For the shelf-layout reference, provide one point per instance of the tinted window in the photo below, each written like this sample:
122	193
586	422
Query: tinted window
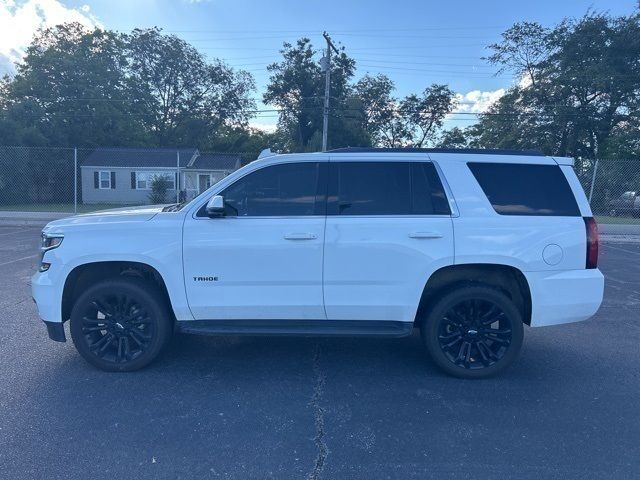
280	190
385	188
519	189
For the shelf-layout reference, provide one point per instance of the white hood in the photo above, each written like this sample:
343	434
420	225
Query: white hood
125	214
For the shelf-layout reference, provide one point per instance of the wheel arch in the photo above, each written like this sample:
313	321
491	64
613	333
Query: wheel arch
88	273
505	278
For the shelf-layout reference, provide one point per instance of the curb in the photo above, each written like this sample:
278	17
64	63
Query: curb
30	219
619	229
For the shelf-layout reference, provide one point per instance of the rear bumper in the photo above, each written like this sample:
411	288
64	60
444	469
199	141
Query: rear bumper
564	297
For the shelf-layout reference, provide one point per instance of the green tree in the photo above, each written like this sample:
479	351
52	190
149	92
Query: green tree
425	114
380	110
581	92
412	121
185	97
71	89
455	137
100	88
296	88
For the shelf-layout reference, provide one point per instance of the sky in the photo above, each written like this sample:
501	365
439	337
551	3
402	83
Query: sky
414	42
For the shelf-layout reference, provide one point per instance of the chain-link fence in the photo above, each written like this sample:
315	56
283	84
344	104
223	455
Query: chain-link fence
612	187
80	180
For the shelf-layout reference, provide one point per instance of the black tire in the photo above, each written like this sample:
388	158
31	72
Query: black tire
121	324
460	323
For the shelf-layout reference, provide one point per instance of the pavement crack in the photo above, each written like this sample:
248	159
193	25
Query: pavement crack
318	413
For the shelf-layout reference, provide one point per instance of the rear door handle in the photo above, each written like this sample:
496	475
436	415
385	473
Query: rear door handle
425	235
300	236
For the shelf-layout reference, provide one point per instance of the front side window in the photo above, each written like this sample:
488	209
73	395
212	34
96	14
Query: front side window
386	188
290	189
524	189
105	180
145	179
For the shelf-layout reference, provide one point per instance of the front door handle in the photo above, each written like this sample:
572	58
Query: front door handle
300	236
425	235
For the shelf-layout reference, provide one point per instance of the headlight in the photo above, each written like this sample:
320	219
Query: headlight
48	242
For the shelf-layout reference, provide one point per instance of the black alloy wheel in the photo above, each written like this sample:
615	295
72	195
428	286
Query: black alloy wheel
473	332
120	324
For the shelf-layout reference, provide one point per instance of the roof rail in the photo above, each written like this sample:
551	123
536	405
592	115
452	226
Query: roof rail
475	151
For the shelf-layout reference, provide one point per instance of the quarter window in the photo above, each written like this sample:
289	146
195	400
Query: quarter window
290	189
386	188
524	189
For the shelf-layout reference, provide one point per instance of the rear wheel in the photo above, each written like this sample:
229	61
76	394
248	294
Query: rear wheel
473	332
120	324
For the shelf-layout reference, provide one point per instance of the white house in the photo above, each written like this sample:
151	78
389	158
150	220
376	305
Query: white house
124	175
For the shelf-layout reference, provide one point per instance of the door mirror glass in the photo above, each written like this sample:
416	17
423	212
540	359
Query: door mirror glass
215	206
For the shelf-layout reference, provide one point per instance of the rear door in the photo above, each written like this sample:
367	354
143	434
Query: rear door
388	229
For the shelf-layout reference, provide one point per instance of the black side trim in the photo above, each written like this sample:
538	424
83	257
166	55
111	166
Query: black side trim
56	331
305	328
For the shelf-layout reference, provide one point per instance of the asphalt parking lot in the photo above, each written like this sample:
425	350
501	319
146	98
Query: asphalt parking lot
331	408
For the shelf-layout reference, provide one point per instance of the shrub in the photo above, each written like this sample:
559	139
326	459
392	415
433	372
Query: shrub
159	187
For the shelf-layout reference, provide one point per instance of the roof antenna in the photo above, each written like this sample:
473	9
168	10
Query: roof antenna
266	153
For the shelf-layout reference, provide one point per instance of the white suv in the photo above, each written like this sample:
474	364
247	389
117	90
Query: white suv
466	245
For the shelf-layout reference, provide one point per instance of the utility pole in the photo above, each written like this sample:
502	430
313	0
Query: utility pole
177	176
326	65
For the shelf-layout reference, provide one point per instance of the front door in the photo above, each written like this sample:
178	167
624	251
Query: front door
263	259
204	182
388	229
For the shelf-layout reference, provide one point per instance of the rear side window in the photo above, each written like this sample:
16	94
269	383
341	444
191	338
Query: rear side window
521	189
385	188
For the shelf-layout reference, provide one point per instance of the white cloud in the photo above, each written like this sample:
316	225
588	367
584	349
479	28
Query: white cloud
19	21
477	101
265	127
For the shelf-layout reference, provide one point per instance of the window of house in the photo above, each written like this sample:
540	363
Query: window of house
143	180
105	179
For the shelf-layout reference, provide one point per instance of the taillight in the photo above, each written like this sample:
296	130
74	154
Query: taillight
592	242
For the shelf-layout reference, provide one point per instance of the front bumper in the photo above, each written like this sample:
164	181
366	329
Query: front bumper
47	295
564	297
56	331
48	299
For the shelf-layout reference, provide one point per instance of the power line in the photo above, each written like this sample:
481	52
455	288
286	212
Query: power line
354	30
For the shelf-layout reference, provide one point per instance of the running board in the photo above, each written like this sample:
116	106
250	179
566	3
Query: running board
304	328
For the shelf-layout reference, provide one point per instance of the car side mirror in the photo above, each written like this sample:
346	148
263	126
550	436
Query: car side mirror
215	206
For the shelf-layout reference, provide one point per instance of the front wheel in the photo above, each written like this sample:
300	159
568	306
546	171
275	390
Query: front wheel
473	332
120	324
